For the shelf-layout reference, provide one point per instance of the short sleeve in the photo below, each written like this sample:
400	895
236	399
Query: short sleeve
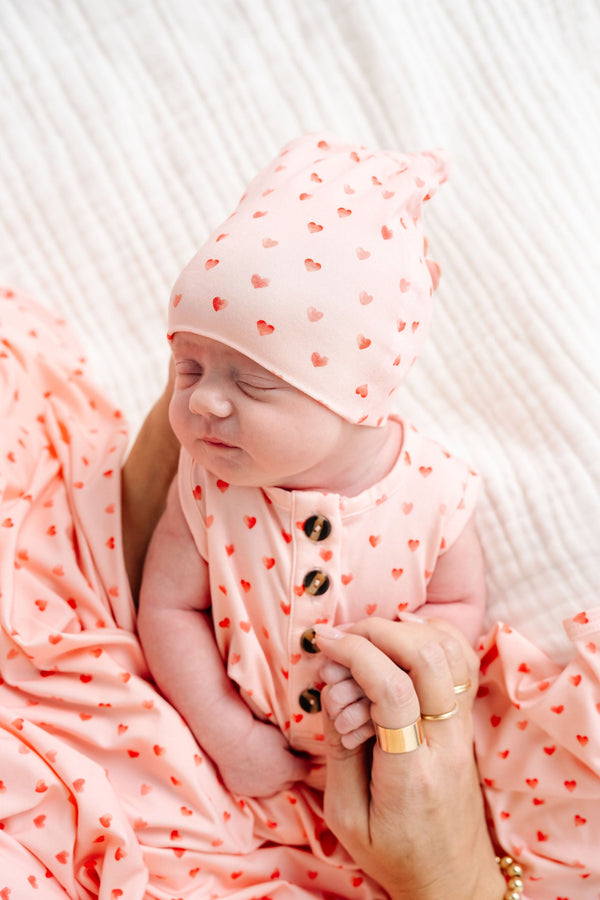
191	480
463	490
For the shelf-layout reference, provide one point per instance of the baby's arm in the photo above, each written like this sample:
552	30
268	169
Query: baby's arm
457	590
177	636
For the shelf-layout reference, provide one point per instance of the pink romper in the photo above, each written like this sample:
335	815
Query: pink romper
281	561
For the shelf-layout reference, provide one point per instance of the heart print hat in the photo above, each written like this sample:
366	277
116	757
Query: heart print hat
319	275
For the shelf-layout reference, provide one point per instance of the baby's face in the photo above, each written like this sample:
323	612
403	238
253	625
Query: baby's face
247	426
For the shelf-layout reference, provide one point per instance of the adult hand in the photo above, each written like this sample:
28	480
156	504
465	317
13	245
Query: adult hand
414	820
145	477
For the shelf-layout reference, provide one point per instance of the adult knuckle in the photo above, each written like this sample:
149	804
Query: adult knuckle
397	691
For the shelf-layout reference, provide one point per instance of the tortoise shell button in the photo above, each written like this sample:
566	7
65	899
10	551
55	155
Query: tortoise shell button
308	641
317	528
315	582
310	700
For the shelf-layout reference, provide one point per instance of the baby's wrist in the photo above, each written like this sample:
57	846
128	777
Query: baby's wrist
228	733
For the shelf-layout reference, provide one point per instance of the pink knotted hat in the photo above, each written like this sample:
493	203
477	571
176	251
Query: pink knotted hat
319	275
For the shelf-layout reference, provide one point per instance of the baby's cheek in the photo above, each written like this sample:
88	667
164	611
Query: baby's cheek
177	415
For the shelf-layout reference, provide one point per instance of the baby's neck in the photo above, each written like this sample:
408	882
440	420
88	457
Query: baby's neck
369	457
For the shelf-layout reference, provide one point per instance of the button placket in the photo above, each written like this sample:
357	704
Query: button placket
315	532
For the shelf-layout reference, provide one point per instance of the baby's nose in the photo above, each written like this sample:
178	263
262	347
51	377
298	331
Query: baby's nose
209	399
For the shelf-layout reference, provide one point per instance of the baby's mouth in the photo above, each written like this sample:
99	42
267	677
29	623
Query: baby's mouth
219	442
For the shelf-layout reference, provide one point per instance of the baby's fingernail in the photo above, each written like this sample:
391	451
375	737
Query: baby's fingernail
326	631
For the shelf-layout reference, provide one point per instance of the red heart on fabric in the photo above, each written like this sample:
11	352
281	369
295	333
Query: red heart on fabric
264	327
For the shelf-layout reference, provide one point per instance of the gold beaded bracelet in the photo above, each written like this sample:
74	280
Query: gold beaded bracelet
512	872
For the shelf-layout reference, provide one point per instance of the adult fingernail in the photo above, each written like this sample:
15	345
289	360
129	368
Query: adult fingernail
411	617
326	631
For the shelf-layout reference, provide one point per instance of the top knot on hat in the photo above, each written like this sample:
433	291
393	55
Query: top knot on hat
319	275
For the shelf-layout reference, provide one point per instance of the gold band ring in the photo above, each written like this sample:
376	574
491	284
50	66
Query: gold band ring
462	688
440	716
399	740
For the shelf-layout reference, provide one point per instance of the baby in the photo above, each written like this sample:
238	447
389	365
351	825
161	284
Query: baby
301	498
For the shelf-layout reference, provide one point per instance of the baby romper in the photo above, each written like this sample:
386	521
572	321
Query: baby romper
281	561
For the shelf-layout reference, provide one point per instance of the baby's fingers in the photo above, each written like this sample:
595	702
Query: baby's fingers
350	711
357	737
332	672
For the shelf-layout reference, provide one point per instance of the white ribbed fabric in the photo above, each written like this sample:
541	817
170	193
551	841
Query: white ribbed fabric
129	129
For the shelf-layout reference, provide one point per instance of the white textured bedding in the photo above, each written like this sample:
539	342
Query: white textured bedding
129	127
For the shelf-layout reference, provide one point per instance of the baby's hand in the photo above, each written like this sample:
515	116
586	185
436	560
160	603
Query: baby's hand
264	764
346	705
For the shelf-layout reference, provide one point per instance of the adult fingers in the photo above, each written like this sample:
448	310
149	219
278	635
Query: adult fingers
437	660
402	642
440	661
394	702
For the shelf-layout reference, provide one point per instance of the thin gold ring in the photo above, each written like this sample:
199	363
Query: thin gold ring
462	688
399	740
440	716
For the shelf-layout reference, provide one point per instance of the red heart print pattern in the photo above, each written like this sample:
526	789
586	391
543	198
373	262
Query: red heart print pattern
311	265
